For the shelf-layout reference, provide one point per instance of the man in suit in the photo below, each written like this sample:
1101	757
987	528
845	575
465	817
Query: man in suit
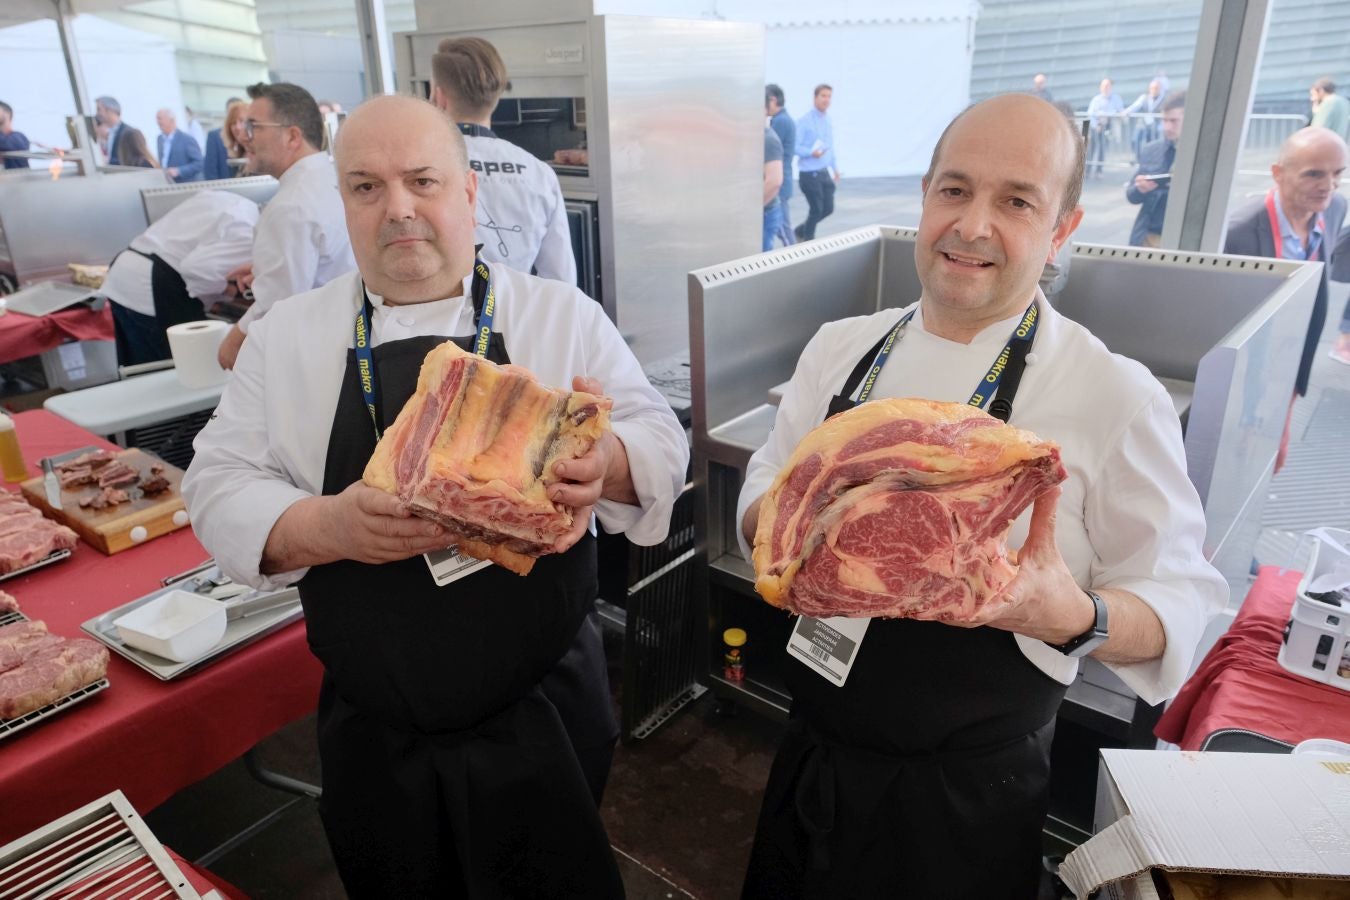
110	116
1299	218
1155	159
179	152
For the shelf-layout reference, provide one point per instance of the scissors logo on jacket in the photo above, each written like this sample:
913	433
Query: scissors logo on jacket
491	224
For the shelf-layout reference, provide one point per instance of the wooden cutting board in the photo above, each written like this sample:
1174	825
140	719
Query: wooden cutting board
125	525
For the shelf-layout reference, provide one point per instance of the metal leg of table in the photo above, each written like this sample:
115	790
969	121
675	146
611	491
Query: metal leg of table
276	780
263	775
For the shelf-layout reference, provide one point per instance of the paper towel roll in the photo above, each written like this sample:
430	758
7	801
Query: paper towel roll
194	346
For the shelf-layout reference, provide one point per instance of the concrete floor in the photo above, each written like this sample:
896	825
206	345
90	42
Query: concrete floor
681	805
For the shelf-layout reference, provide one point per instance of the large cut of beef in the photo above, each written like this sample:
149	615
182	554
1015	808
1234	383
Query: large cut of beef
25	536
474	449
38	668
899	508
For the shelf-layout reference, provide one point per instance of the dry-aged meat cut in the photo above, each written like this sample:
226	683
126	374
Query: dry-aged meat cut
25	536
37	668
899	508
474	449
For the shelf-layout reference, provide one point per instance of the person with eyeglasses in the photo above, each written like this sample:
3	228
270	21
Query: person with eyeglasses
301	241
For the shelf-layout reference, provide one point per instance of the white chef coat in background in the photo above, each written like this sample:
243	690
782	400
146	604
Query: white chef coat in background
203	239
1128	518
522	219
265	449
301	240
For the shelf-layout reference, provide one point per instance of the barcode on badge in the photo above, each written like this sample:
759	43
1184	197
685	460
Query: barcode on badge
819	652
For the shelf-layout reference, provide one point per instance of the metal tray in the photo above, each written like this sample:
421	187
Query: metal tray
13	726
54	557
239	633
47	297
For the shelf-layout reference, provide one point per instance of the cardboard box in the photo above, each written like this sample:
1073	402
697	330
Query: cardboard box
1224	813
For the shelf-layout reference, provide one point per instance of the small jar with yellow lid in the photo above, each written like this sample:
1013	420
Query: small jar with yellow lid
733	659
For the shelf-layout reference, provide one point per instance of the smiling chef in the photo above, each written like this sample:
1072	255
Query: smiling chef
465	730
925	774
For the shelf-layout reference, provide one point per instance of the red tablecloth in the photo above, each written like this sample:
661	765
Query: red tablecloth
149	738
203	881
1240	684
22	335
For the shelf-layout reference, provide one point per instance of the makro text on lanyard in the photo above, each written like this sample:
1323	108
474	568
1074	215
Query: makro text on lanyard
1024	333
365	362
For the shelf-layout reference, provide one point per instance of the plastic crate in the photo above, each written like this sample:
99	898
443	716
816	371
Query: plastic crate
1317	640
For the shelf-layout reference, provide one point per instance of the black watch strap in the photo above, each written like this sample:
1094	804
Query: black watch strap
1091	639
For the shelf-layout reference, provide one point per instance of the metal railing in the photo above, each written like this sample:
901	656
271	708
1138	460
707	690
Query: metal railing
1126	133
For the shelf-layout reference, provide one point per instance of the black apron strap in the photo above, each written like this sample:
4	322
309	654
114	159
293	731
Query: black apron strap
843	401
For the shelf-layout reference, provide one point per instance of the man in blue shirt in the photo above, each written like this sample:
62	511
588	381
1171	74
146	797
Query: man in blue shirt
1103	108
786	129
1156	158
817	164
11	139
179	152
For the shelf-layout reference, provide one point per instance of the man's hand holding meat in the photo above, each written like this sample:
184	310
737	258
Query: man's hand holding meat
361	524
1045	602
602	472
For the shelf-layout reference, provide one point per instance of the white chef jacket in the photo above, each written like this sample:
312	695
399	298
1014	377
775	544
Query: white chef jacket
301	242
522	221
265	449
1128	518
204	238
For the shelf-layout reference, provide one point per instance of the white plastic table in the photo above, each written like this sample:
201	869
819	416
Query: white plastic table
133	403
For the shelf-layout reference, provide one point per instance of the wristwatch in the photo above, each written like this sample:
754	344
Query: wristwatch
1091	639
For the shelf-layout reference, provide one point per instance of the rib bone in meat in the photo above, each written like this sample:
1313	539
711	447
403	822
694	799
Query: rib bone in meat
899	508
474	449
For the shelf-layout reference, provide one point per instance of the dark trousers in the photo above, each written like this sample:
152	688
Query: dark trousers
139	338
1096	154
818	189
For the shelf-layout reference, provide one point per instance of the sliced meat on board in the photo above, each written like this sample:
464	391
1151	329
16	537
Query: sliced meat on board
474	449
899	508
26	536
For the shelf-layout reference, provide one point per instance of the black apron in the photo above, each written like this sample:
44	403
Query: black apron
925	775
142	338
447	770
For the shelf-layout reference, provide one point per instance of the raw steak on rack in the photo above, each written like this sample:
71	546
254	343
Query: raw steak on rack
899	508
38	668
25	536
474	449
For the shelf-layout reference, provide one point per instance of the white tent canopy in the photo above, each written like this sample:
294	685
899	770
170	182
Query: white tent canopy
137	68
15	12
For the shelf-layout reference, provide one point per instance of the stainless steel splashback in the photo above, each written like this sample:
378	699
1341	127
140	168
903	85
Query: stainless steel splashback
674	124
159	200
47	224
1224	334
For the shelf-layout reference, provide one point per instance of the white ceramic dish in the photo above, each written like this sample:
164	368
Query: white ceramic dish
180	626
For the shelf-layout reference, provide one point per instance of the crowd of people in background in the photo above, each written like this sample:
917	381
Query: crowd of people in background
809	142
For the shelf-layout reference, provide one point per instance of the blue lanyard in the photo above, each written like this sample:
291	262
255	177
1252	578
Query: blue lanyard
365	361
1024	333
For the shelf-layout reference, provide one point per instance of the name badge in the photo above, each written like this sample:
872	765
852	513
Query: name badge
450	565
829	646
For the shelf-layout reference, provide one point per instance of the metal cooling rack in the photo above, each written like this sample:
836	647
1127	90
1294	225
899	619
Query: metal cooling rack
12	726
102	850
53	557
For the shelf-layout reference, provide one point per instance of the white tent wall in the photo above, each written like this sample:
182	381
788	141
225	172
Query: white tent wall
900	69
136	68
329	66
